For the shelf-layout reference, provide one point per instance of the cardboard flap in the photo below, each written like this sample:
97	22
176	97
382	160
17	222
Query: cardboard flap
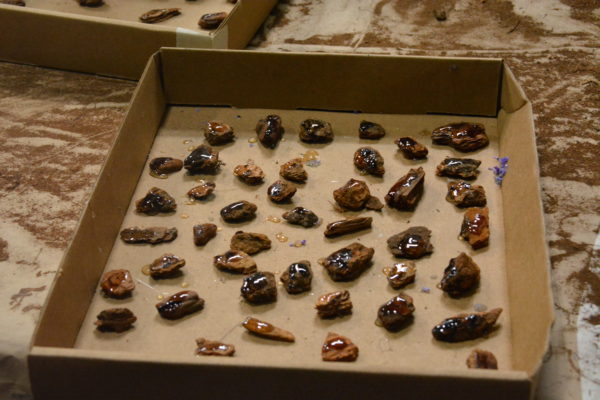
333	82
527	259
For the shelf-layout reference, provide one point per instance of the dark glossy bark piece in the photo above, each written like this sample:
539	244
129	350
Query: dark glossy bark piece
462	168
180	304
202	191
412	243
464	327
207	347
297	278
212	20
461	276
294	171
203	233
159	15
239	211
405	194
301	216
401	274
115	320
91	3
482	359
411	149
396	313
202	160
152	235
353	195
235	261
369	161
166	266
463	194
347	226
349	262
165	165
250	242
462	136
249	173
315	131
270	131
156	201
218	133
259	288
370	130
117	283
338	348
267	330
475	228
334	304
281	191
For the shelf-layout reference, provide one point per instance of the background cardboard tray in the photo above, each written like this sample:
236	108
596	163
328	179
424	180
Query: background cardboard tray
164	114
110	40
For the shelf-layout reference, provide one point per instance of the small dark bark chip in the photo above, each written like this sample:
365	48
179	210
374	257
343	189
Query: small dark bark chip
482	359
117	283
301	216
370	130
180	304
463	168
401	274
249	173
338	348
165	165
463	194
354	195
152	235
281	191
270	131
202	160
249	242
156	201
396	314
260	288
239	211
267	330
212	21
369	161
202	191
334	304
159	15
115	320
235	261
166	266
475	228
464	327
207	347
218	133
203	233
461	276
315	131
347	226
349	262
462	136
294	171
405	194
412	243
411	149
297	278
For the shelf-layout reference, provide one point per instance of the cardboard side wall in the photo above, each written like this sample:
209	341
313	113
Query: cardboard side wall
75	285
245	20
53	40
332	82
527	260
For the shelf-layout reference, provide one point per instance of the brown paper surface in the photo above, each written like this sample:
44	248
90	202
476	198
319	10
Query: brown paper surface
412	347
131	10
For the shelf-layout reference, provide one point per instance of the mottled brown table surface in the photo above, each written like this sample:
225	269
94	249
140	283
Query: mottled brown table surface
56	128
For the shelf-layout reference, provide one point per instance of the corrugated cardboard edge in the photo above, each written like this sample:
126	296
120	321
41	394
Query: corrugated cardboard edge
46	362
95	233
528	235
111	47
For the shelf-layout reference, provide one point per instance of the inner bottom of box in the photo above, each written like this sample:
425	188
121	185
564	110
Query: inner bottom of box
224	311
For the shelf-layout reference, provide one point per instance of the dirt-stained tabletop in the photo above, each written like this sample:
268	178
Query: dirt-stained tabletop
56	128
